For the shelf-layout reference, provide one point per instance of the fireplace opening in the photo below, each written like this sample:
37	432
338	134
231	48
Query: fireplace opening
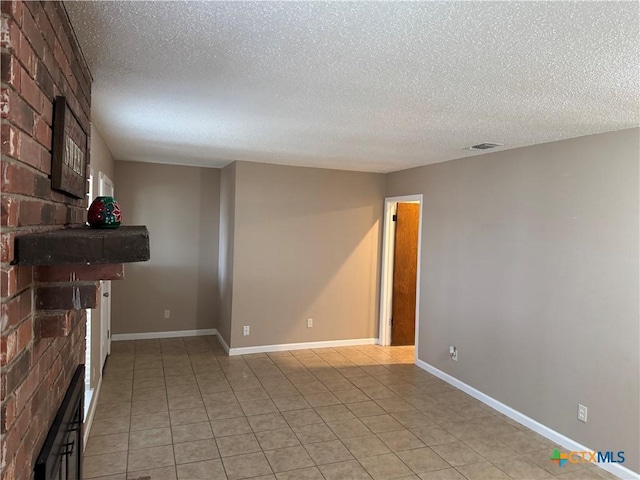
61	454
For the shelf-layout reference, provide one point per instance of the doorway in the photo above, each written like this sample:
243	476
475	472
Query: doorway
105	187
88	376
400	282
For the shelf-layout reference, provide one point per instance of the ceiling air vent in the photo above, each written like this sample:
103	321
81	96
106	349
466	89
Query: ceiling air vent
484	146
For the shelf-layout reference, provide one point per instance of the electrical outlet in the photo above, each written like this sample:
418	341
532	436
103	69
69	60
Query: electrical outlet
309	322
582	413
246	330
167	314
453	351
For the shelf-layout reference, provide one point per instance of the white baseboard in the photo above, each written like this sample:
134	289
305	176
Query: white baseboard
556	437
222	342
300	346
151	335
88	423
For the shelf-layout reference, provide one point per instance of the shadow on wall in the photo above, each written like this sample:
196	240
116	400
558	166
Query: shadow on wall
140	300
180	206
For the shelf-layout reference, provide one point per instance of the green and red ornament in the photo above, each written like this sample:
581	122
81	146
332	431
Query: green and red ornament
104	212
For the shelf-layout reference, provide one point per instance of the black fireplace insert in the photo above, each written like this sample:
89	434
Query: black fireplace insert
61	454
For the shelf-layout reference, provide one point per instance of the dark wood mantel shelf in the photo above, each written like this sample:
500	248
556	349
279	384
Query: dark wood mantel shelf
84	245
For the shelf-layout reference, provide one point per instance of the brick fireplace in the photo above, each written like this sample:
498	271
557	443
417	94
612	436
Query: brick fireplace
40	348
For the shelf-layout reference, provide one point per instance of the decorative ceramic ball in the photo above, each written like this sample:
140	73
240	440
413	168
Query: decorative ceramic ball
104	212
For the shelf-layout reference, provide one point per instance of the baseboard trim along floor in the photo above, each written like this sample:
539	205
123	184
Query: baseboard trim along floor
299	346
244	350
151	335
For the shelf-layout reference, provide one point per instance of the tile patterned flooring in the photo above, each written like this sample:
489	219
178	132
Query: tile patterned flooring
179	408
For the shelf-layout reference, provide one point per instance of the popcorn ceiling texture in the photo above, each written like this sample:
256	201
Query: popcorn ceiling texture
360	86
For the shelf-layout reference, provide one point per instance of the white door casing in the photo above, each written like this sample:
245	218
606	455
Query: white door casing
105	189
386	278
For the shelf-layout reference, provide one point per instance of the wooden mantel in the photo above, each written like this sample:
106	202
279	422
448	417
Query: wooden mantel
83	246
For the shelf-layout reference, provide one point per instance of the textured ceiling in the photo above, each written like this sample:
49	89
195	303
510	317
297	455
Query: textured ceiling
357	86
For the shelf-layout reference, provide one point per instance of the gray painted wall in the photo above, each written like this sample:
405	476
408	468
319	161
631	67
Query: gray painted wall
530	267
307	245
180	207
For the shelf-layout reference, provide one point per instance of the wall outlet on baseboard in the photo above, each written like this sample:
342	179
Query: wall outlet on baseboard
246	330
309	322
167	314
582	413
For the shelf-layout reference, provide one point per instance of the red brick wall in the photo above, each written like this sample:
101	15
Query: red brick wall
39	61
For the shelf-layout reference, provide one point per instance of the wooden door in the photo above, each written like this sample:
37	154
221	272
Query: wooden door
405	269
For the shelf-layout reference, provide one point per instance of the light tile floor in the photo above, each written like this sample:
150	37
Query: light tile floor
181	409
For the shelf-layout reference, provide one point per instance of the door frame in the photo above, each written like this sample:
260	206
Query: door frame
89	346
386	277
105	182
